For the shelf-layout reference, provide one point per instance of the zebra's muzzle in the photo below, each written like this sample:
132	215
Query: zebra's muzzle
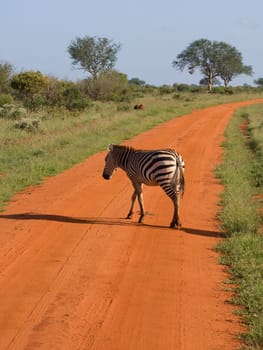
106	176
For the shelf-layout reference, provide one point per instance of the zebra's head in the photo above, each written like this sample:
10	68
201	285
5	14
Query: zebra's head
110	164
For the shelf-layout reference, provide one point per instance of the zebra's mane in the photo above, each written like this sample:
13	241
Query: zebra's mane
122	148
112	147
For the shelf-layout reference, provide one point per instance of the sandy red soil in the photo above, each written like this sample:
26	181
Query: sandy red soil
74	274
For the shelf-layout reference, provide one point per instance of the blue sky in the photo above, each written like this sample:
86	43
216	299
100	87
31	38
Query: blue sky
34	34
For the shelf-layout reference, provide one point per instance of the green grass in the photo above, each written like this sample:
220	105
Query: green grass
242	251
63	140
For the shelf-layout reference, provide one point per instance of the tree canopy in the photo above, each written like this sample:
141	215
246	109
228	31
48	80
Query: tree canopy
94	55
259	82
213	59
137	81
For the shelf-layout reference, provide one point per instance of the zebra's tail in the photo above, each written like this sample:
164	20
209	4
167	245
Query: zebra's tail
182	179
180	185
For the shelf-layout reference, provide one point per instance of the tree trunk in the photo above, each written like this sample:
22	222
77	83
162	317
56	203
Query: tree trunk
210	83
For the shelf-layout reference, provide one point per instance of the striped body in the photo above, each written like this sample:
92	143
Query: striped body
164	168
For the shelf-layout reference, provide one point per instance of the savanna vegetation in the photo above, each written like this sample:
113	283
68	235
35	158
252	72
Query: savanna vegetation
43	141
47	125
242	219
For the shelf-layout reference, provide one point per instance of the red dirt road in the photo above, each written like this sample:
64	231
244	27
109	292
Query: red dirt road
75	275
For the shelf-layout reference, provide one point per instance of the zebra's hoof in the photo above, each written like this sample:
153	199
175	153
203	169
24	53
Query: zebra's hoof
175	226
140	220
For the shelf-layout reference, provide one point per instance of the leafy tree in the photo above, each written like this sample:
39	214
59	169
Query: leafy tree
231	65
137	81
94	55
213	59
259	82
6	70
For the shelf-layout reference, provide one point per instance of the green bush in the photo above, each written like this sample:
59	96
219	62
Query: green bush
123	107
176	96
182	87
29	87
28	124
165	89
5	99
60	93
11	111
29	83
74	99
223	90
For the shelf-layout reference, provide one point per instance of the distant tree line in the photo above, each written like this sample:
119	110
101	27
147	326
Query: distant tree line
97	58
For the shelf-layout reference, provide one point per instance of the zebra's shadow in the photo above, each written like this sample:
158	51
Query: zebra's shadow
104	221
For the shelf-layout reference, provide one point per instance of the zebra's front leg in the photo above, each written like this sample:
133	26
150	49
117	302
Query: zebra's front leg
137	193
134	195
141	204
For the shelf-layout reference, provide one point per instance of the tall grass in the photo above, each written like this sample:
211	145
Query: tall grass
62	140
242	251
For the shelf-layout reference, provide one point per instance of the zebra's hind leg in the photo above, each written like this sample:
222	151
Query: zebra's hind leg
176	222
171	192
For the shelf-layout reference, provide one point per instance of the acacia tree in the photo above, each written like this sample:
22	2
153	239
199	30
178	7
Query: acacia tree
213	59
93	55
259	82
231	65
137	81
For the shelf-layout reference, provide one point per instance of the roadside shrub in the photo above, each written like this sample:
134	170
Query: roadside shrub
176	96
74	99
182	87
5	99
28	124
223	90
60	93
29	87
11	111
123	107
165	89
109	86
196	88
35	103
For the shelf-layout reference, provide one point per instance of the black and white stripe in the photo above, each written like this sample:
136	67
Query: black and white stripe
164	168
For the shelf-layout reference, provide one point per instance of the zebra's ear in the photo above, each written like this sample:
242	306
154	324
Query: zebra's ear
110	147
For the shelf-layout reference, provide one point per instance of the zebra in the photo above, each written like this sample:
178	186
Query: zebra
163	167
